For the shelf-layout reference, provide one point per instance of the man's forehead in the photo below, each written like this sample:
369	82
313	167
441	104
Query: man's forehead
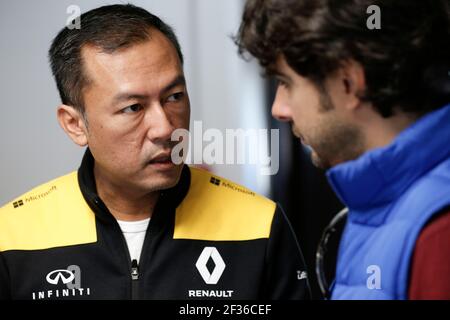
155	52
282	65
134	64
279	67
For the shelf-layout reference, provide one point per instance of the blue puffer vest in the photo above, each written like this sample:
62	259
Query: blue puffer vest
391	193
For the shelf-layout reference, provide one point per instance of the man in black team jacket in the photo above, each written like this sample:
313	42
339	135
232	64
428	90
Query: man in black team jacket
130	224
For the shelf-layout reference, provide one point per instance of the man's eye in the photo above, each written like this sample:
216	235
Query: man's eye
281	83
132	109
175	97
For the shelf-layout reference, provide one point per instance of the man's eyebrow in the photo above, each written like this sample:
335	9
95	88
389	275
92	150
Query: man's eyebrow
274	72
128	96
179	80
277	73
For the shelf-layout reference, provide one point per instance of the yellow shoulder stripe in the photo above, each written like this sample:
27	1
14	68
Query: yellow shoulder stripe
54	214
217	209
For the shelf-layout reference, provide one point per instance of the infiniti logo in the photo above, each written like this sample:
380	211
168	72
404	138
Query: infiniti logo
63	275
70	284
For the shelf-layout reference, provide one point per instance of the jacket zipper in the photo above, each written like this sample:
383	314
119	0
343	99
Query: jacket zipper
134	264
134	271
134	280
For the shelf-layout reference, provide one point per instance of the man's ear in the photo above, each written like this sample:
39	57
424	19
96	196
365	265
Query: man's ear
72	122
354	81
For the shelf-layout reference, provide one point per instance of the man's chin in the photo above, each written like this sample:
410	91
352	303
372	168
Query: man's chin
162	179
315	158
319	162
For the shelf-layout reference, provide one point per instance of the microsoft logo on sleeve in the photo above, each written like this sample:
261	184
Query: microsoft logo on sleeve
215	181
18	203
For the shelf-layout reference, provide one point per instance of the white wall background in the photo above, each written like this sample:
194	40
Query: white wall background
225	91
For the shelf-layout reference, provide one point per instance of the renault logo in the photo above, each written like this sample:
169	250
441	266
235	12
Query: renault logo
214	276
63	275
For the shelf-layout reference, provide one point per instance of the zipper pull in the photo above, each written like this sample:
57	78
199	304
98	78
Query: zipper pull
134	270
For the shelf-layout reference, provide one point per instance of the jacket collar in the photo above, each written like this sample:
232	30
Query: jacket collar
383	174
169	199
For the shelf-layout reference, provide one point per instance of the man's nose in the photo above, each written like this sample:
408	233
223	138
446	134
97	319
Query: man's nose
160	127
280	108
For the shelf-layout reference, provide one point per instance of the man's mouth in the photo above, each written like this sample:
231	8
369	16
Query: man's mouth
161	158
162	161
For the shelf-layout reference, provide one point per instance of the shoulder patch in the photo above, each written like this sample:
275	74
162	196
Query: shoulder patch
217	209
54	214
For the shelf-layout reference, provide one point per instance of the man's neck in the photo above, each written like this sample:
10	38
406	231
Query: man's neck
382	131
123	204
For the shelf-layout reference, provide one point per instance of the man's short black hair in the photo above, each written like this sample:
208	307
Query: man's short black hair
110	28
406	62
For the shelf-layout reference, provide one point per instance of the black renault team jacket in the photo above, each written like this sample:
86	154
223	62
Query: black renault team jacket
208	238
